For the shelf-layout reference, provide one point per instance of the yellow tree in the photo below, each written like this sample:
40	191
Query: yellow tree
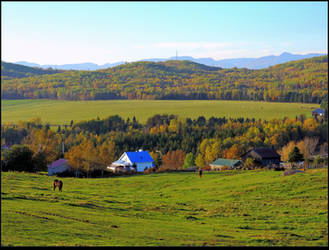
233	152
89	156
173	126
199	161
106	154
212	151
43	141
285	150
74	158
83	157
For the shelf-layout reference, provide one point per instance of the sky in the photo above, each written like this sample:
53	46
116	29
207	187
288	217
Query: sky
107	32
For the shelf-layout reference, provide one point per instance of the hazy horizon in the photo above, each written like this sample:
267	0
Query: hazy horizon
82	62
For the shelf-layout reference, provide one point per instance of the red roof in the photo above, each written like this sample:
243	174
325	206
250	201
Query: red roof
57	163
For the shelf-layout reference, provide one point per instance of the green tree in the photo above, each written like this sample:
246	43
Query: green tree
189	160
295	155
19	158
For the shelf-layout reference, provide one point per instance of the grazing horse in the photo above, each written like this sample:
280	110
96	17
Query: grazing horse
58	184
200	173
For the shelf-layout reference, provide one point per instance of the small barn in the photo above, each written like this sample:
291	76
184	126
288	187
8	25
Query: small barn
59	166
5	147
318	111
220	163
142	160
263	156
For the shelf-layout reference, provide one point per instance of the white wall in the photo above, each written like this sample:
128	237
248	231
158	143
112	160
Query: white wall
58	169
142	165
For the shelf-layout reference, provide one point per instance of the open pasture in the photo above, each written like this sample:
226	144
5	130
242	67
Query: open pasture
62	112
228	208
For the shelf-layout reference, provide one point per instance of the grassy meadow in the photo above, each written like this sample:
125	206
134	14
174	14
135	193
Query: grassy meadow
62	112
228	208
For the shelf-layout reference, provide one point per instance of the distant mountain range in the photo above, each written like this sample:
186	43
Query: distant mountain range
249	63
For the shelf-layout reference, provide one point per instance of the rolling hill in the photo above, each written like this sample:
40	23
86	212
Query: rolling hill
296	81
12	70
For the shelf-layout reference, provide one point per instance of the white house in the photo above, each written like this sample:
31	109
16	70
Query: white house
318	111
58	166
142	159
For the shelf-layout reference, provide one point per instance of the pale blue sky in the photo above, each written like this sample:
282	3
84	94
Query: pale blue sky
101	32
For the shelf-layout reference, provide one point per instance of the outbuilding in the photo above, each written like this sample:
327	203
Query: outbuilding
220	163
59	166
264	156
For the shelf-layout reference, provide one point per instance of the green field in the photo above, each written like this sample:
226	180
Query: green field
62	112
229	208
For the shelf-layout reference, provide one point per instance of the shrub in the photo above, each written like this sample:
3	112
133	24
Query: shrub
19	158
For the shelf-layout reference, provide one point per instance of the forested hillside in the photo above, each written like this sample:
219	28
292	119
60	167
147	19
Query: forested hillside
12	70
298	81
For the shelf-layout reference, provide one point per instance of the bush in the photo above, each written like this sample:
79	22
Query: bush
206	168
19	158
150	170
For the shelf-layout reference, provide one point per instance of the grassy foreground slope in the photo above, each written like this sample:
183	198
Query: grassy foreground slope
229	208
62	112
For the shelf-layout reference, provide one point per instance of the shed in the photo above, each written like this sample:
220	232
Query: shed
263	156
220	163
59	166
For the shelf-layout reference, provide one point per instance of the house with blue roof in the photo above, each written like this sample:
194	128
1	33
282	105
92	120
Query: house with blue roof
318	111
142	160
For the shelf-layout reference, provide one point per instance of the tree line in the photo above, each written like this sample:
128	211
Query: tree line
172	141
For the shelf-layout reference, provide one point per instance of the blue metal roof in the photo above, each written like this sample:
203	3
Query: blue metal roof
140	156
318	110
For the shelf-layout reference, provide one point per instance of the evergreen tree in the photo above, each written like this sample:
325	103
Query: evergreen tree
295	155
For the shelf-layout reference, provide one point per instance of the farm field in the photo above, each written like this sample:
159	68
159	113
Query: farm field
62	112
228	208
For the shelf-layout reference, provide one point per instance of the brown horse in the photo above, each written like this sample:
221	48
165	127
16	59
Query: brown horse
58	184
200	173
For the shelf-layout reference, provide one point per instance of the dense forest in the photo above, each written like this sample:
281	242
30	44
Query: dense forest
12	70
297	81
169	139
